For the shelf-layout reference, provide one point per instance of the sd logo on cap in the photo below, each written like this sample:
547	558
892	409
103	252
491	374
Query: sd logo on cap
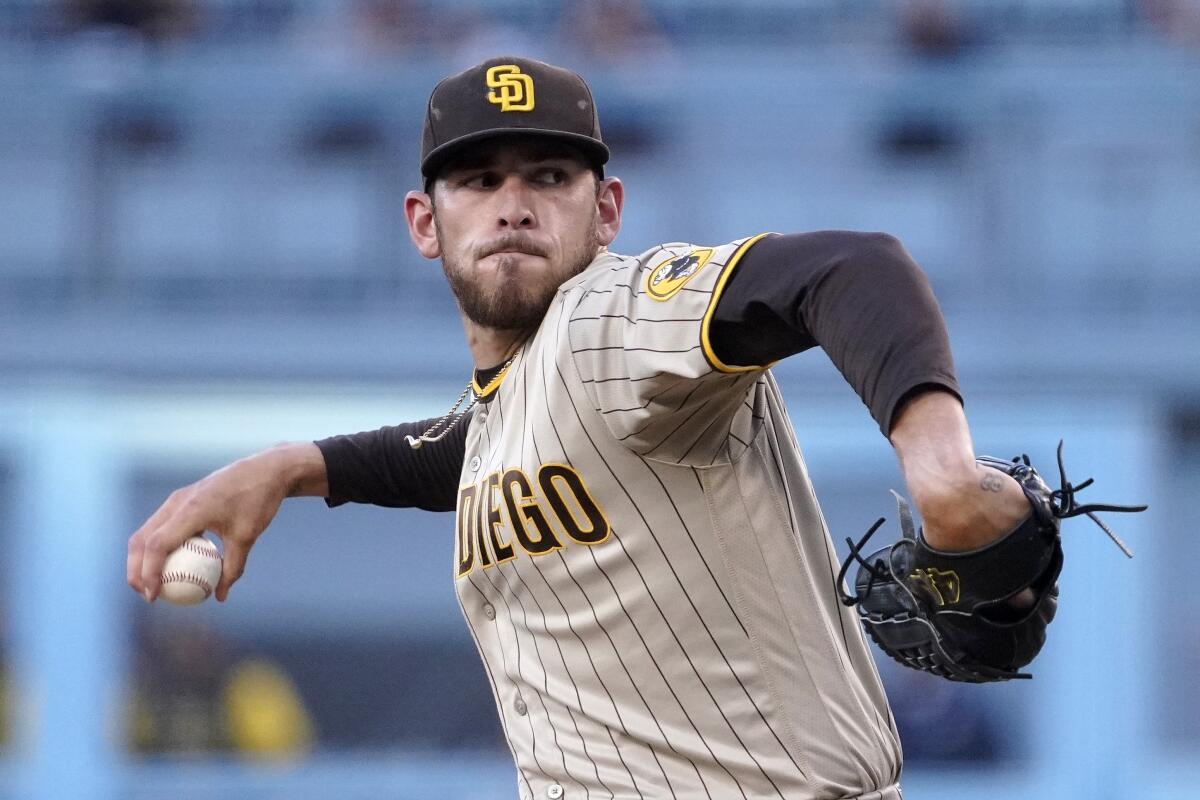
515	88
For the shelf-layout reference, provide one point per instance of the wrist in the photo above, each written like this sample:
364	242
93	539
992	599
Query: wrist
932	441
298	467
970	514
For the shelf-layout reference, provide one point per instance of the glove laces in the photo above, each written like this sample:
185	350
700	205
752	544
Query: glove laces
878	570
1062	504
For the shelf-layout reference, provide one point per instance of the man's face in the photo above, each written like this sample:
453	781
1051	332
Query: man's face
513	219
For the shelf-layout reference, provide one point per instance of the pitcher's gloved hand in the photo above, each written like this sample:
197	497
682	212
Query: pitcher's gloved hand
968	616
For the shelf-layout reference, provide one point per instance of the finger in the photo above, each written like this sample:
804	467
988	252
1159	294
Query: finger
137	542
160	544
133	563
1023	599
233	565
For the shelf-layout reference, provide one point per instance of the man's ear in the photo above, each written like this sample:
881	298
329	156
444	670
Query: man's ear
610	198
422	225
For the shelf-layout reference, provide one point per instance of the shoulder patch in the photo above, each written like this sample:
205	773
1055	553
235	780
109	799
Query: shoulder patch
665	280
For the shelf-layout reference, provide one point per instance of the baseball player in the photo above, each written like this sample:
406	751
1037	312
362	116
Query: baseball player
639	554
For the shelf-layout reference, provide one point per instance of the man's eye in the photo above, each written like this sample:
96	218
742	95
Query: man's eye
550	176
484	180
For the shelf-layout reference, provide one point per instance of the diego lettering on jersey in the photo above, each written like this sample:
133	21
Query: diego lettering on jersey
506	513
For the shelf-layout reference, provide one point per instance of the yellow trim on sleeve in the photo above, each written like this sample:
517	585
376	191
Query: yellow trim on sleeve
726	272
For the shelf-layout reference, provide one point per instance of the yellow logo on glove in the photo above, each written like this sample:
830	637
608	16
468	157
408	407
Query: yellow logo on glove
943	587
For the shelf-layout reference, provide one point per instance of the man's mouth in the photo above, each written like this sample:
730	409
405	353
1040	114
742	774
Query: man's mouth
513	248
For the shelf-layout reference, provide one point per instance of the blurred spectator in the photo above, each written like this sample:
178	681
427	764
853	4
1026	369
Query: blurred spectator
925	126
193	697
368	30
265	717
1178	20
392	26
150	20
933	29
610	30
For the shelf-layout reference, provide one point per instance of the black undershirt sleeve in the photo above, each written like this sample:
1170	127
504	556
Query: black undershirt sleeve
380	468
859	296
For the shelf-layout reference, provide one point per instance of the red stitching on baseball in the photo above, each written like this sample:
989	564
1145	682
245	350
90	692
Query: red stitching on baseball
205	549
187	577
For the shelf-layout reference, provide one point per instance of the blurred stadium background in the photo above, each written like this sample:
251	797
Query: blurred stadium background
202	252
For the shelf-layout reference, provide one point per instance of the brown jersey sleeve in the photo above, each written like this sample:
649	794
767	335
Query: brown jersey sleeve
859	296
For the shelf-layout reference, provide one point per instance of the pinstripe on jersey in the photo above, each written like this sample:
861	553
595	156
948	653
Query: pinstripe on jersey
644	567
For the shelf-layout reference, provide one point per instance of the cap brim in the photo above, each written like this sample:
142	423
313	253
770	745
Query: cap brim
597	152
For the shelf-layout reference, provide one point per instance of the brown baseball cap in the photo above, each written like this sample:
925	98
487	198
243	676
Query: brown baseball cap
509	95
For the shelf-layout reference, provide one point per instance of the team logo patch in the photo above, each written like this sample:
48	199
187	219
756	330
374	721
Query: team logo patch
512	89
665	280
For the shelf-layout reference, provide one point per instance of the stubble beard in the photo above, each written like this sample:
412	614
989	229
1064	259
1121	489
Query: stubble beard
512	303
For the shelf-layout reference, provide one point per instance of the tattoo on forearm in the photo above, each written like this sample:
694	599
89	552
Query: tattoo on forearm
991	483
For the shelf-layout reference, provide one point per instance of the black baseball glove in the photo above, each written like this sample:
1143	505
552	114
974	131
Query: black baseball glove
950	613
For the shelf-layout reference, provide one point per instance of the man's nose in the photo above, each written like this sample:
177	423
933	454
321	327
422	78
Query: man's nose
515	209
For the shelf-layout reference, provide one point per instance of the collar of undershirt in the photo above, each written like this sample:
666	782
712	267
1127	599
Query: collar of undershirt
486	382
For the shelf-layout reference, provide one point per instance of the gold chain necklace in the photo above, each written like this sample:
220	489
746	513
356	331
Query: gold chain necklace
430	436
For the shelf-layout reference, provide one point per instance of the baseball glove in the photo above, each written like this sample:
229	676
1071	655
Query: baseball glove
948	612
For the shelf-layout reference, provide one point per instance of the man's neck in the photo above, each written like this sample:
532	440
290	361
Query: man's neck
491	347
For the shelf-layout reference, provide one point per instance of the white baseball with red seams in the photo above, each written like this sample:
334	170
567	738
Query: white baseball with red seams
191	572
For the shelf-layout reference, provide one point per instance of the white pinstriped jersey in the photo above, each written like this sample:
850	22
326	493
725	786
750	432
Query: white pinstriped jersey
643	565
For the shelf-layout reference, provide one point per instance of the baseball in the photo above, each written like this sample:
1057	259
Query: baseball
191	572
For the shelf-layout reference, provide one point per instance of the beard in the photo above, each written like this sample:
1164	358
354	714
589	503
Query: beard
510	302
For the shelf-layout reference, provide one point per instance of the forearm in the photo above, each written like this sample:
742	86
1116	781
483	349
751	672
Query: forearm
963	505
933	444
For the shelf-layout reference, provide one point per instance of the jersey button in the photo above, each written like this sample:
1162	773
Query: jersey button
489	611
520	707
475	462
554	791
